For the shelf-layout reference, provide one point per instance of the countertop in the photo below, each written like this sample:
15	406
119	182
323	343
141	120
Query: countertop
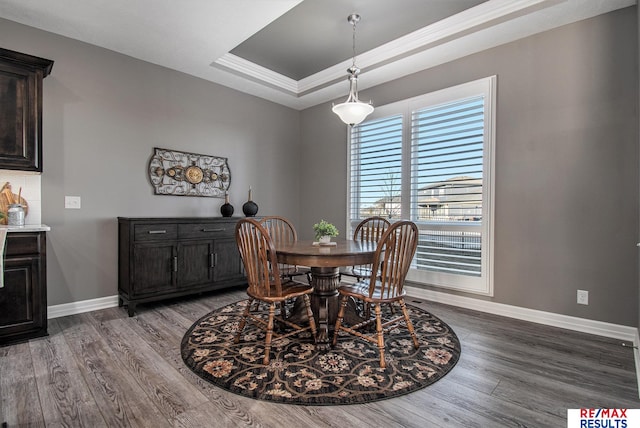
27	228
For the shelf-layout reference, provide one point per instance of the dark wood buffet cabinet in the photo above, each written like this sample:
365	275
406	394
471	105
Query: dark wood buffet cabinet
23	298
160	258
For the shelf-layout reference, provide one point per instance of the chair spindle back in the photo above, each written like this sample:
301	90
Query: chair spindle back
371	229
393	258
259	258
368	230
280	229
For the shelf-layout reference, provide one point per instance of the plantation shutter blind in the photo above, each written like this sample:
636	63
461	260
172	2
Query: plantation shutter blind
376	168
447	185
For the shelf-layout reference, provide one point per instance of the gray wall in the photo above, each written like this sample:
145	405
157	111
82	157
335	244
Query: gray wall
103	114
566	214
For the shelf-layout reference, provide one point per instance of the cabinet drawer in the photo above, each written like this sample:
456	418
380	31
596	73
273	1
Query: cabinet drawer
155	232
206	230
22	243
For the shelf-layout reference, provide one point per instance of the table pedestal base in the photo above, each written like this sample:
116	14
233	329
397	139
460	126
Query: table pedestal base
325	305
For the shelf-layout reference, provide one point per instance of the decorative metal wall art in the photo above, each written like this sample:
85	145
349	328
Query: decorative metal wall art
188	174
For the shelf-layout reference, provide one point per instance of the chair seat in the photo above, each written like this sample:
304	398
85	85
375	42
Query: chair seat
360	290
357	271
290	289
292	270
286	270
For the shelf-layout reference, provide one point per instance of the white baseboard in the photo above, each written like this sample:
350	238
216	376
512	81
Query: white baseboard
73	308
600	328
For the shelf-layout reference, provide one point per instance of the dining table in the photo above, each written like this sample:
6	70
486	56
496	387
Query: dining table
324	261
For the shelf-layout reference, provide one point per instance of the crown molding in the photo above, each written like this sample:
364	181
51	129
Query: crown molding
453	27
257	72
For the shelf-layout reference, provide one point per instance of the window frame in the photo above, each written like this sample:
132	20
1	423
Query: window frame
486	87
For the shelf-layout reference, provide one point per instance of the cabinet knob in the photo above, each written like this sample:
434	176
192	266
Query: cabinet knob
175	263
157	232
214	230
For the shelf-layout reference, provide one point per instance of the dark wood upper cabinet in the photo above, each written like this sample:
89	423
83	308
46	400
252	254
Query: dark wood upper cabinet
21	110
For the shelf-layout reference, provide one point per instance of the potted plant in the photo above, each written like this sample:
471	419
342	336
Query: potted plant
324	231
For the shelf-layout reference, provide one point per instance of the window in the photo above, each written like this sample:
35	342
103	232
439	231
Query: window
430	159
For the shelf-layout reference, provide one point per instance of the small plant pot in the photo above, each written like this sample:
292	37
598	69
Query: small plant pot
324	239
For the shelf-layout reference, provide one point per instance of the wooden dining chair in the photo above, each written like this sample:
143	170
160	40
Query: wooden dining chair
266	285
282	231
385	285
368	230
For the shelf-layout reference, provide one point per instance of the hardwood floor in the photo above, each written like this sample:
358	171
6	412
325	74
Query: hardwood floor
104	369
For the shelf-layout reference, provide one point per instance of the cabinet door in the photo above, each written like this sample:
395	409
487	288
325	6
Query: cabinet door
21	298
153	268
20	132
195	263
227	260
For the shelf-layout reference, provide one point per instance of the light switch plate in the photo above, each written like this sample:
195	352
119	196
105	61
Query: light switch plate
72	202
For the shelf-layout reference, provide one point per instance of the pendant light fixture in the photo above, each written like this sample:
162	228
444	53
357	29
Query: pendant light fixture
353	111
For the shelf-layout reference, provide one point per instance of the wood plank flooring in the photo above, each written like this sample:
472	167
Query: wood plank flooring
104	369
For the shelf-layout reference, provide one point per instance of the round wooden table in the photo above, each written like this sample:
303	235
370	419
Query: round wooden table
325	262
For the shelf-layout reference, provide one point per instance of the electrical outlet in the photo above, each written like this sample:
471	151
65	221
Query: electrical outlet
583	297
72	202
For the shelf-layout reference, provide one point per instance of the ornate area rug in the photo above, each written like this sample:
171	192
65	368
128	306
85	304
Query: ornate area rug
298	374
